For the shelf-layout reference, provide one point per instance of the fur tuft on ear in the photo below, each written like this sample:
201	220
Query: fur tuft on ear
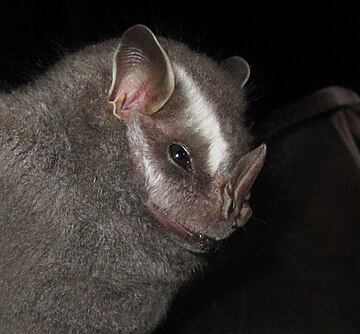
143	78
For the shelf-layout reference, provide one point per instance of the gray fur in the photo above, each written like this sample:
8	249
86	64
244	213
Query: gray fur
79	251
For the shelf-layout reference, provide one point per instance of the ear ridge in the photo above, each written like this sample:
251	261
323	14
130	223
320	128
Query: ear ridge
143	78
238	68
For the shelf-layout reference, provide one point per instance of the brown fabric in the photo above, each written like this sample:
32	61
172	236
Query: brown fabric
322	101
347	124
296	268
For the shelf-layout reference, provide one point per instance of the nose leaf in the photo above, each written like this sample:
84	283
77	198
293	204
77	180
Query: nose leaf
244	216
246	171
236	190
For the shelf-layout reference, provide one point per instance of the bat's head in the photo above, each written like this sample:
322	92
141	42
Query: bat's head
185	124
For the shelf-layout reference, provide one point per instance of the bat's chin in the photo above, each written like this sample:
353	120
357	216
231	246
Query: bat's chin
197	242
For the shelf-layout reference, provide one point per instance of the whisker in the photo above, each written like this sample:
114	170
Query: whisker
271	167
252	243
291	237
264	170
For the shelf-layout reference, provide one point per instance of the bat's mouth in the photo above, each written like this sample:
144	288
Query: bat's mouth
197	241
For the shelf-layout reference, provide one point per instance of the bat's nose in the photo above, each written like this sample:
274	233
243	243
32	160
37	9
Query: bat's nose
236	191
246	171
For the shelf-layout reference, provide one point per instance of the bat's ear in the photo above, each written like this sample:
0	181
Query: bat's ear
143	78
238	68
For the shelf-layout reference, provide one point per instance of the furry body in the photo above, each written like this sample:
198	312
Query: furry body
80	252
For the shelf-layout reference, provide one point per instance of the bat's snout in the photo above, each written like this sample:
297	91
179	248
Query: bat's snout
236	192
224	208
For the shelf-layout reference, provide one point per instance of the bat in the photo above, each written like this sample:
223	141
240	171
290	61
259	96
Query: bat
121	167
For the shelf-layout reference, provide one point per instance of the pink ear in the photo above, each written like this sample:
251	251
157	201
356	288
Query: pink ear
143	78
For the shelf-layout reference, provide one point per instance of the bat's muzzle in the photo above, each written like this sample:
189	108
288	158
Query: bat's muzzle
236	192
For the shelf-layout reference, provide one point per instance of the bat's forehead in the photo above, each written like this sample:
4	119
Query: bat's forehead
200	115
211	102
204	112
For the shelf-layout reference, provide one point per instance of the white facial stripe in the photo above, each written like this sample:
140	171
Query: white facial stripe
203	116
137	140
157	186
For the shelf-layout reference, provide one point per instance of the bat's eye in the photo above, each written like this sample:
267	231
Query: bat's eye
180	156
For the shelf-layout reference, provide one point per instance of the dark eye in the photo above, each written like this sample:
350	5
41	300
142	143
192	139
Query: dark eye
180	156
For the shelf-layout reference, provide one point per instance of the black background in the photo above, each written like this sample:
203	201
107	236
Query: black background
293	48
